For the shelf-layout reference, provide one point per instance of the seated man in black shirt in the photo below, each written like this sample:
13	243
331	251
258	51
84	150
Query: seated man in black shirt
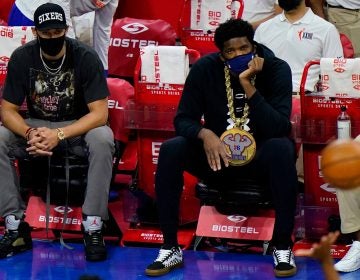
244	95
63	83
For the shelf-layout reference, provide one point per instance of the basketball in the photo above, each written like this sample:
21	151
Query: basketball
340	163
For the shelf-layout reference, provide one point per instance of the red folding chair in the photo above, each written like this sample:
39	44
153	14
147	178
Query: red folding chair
319	111
151	115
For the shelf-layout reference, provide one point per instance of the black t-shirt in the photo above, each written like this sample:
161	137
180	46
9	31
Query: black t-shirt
55	97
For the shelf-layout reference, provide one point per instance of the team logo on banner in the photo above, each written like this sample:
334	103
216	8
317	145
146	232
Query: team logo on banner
236	218
134	28
357	87
61	209
4	59
339	77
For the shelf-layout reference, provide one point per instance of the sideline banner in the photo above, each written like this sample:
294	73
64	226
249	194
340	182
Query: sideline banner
36	215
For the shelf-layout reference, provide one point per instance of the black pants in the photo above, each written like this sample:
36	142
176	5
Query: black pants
274	162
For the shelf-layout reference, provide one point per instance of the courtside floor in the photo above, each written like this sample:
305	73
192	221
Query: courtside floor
49	261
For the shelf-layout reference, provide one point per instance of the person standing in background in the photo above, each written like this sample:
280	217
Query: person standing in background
349	210
5	8
258	11
344	14
298	36
101	29
66	94
22	12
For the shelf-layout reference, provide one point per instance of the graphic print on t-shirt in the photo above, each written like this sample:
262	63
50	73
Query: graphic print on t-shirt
52	95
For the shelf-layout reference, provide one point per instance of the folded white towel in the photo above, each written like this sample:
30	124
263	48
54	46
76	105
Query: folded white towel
340	77
164	64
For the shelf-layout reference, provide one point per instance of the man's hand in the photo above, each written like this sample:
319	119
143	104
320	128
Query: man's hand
246	77
214	149
321	250
42	143
255	66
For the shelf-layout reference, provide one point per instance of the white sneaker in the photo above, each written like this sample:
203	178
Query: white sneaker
351	261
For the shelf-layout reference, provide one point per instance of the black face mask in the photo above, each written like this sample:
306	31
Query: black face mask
288	5
51	46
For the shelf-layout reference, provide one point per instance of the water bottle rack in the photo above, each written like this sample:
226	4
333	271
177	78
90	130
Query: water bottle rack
150	116
318	121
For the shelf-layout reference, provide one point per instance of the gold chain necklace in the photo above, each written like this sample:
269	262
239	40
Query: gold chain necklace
239	122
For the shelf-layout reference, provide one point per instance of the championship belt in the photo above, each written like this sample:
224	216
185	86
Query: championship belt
240	144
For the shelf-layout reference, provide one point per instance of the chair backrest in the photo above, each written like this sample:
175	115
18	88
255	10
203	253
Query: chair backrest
5	9
121	92
164	64
200	18
11	37
155	80
128	35
347	45
206	15
339	77
125	156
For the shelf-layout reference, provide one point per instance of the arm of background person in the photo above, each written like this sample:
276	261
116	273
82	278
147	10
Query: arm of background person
321	252
277	10
318	7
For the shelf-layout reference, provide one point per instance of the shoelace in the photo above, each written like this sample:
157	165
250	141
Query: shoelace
96	238
283	255
163	255
7	239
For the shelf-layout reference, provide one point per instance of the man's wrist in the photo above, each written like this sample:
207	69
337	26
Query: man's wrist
28	132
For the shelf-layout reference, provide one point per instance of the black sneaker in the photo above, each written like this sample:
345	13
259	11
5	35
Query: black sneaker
94	243
284	263
165	262
16	241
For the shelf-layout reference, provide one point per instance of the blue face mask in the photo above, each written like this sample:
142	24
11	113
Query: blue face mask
239	63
